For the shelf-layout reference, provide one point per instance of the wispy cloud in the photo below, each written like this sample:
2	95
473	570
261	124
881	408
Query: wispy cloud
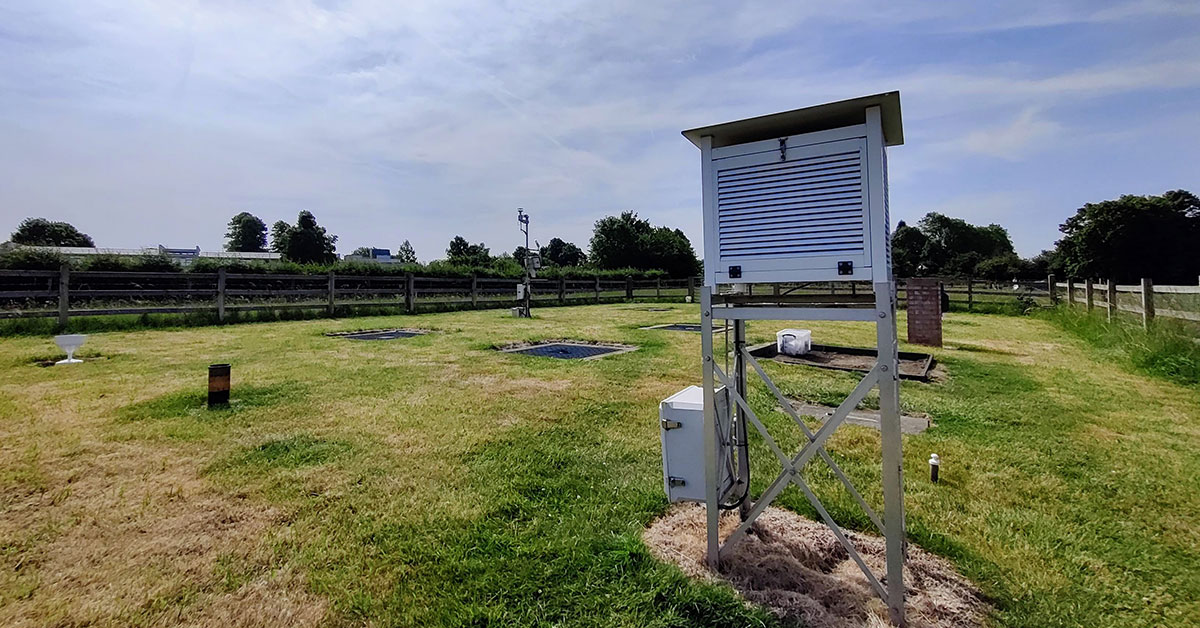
1028	132
146	121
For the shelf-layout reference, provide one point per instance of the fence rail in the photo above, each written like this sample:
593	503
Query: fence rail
65	293
1144	299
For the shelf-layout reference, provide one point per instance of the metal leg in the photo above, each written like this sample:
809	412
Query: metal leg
713	554
893	461
739	425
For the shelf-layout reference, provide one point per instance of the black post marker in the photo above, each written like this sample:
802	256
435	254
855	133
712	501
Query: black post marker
218	385
935	464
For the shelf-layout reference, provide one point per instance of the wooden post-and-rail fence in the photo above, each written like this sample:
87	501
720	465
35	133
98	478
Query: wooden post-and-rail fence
1186	306
31	293
28	293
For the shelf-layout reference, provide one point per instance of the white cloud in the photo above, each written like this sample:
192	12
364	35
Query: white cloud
1028	132
156	121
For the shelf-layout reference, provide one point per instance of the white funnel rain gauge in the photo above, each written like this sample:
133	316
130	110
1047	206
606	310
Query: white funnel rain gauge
70	343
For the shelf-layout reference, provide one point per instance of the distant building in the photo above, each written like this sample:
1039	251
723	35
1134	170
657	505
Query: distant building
381	256
183	256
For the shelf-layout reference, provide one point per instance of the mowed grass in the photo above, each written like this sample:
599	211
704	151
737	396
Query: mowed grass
433	481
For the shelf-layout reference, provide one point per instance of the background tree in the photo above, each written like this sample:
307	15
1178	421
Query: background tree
304	242
616	241
1134	237
362	251
518	255
908	251
670	250
42	232
280	233
247	233
940	245
560	253
627	241
1048	262
956	247
406	254
464	253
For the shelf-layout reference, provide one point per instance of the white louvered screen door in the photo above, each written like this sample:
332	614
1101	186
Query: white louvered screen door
803	209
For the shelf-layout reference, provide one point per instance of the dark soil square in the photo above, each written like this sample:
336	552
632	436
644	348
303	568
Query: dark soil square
568	350
691	327
681	327
379	334
912	365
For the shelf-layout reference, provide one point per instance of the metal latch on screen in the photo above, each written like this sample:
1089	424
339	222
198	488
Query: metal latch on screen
783	149
670	425
674	481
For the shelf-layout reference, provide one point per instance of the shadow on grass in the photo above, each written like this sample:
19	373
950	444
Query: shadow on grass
962	346
194	403
50	359
291	452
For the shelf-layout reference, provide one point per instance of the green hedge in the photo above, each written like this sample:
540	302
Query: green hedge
30	259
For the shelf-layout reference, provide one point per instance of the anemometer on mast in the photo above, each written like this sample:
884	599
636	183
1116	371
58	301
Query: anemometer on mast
532	263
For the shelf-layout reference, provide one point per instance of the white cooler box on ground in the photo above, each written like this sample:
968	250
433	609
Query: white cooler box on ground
793	341
681	426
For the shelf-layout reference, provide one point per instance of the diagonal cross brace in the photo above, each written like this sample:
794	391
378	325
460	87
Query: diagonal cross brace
841	537
791	467
787	407
745	406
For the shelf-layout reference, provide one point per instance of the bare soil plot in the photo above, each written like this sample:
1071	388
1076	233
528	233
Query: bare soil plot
796	567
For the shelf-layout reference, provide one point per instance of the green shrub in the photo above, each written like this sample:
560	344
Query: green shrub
22	258
130	263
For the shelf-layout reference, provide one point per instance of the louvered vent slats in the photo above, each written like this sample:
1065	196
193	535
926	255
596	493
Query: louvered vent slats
800	207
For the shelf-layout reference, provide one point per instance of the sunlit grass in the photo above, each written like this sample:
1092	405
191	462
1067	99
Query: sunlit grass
435	481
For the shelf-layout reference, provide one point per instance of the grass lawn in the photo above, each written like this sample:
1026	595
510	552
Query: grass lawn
433	481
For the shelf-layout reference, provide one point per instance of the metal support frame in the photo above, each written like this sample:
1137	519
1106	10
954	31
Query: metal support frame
884	376
725	432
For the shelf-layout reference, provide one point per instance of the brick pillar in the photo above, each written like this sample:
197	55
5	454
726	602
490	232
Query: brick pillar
924	312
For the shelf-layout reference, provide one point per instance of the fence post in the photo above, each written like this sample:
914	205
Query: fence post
474	290
629	288
1070	291
562	290
221	294
332	293
1052	288
410	293
597	288
658	287
691	289
1088	297
1111	297
970	294
64	294
1147	301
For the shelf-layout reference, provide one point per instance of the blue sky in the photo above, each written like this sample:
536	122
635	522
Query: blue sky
147	122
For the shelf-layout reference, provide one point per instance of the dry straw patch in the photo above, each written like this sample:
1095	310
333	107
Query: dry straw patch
796	568
127	535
